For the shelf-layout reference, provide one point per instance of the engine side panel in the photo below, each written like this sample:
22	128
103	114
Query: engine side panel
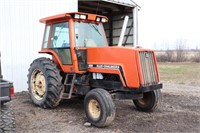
115	60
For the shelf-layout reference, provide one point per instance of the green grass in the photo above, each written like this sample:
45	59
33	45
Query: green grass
181	73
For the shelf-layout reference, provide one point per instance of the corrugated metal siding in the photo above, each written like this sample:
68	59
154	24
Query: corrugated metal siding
117	27
123	2
21	34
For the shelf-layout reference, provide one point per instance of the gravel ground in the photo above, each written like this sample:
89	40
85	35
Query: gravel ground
179	112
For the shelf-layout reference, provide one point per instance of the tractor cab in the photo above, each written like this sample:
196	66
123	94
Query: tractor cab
68	35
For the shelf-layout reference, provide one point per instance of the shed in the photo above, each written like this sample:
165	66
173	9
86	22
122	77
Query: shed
115	10
21	34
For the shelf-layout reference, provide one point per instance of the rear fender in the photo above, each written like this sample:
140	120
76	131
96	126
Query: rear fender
55	58
73	68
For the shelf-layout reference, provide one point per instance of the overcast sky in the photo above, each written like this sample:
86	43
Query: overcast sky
164	22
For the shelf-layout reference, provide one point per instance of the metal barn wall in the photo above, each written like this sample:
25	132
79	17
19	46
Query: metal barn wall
115	10
21	34
117	27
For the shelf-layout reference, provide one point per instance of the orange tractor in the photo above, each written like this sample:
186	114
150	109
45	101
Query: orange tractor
83	64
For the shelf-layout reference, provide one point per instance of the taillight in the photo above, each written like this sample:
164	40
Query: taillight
12	93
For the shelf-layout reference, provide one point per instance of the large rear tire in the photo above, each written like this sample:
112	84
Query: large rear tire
99	107
7	121
44	83
149	102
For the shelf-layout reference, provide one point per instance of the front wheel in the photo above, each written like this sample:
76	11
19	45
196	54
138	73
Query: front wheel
149	102
99	107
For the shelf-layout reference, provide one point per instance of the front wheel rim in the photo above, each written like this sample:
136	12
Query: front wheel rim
38	84
145	100
94	109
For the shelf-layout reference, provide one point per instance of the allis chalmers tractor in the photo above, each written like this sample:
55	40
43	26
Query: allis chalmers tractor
83	64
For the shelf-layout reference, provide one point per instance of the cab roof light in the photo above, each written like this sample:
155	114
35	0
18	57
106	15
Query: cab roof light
100	19
80	16
77	16
103	20
83	16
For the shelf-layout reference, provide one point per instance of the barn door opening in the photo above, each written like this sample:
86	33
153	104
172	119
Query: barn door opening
115	11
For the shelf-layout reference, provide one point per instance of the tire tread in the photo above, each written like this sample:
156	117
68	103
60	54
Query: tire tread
105	98
53	82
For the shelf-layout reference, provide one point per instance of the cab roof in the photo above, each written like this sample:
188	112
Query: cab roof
89	17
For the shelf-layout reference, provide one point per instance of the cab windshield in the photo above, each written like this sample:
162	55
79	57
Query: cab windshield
89	35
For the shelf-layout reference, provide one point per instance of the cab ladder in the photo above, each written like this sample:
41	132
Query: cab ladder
69	82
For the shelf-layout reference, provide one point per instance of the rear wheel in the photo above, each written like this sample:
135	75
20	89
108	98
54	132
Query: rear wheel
149	102
44	83
99	107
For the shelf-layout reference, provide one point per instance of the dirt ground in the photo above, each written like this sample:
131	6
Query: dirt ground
179	112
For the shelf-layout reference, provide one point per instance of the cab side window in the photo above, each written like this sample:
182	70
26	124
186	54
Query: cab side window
60	35
60	42
46	36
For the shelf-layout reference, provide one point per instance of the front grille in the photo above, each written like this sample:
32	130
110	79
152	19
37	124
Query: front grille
148	68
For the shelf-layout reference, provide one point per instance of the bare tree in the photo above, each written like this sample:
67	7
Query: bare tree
180	53
169	55
196	57
166	55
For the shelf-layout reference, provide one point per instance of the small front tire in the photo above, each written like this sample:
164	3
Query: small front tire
149	102
99	107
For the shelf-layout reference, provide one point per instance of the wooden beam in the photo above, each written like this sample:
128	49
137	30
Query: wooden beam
87	8
110	29
101	4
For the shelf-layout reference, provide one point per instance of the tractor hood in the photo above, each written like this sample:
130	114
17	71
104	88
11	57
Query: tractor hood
136	67
117	60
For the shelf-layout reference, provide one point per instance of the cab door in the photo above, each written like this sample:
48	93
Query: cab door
60	42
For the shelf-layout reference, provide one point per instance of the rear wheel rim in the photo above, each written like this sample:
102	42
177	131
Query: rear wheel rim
94	109
38	84
145	101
